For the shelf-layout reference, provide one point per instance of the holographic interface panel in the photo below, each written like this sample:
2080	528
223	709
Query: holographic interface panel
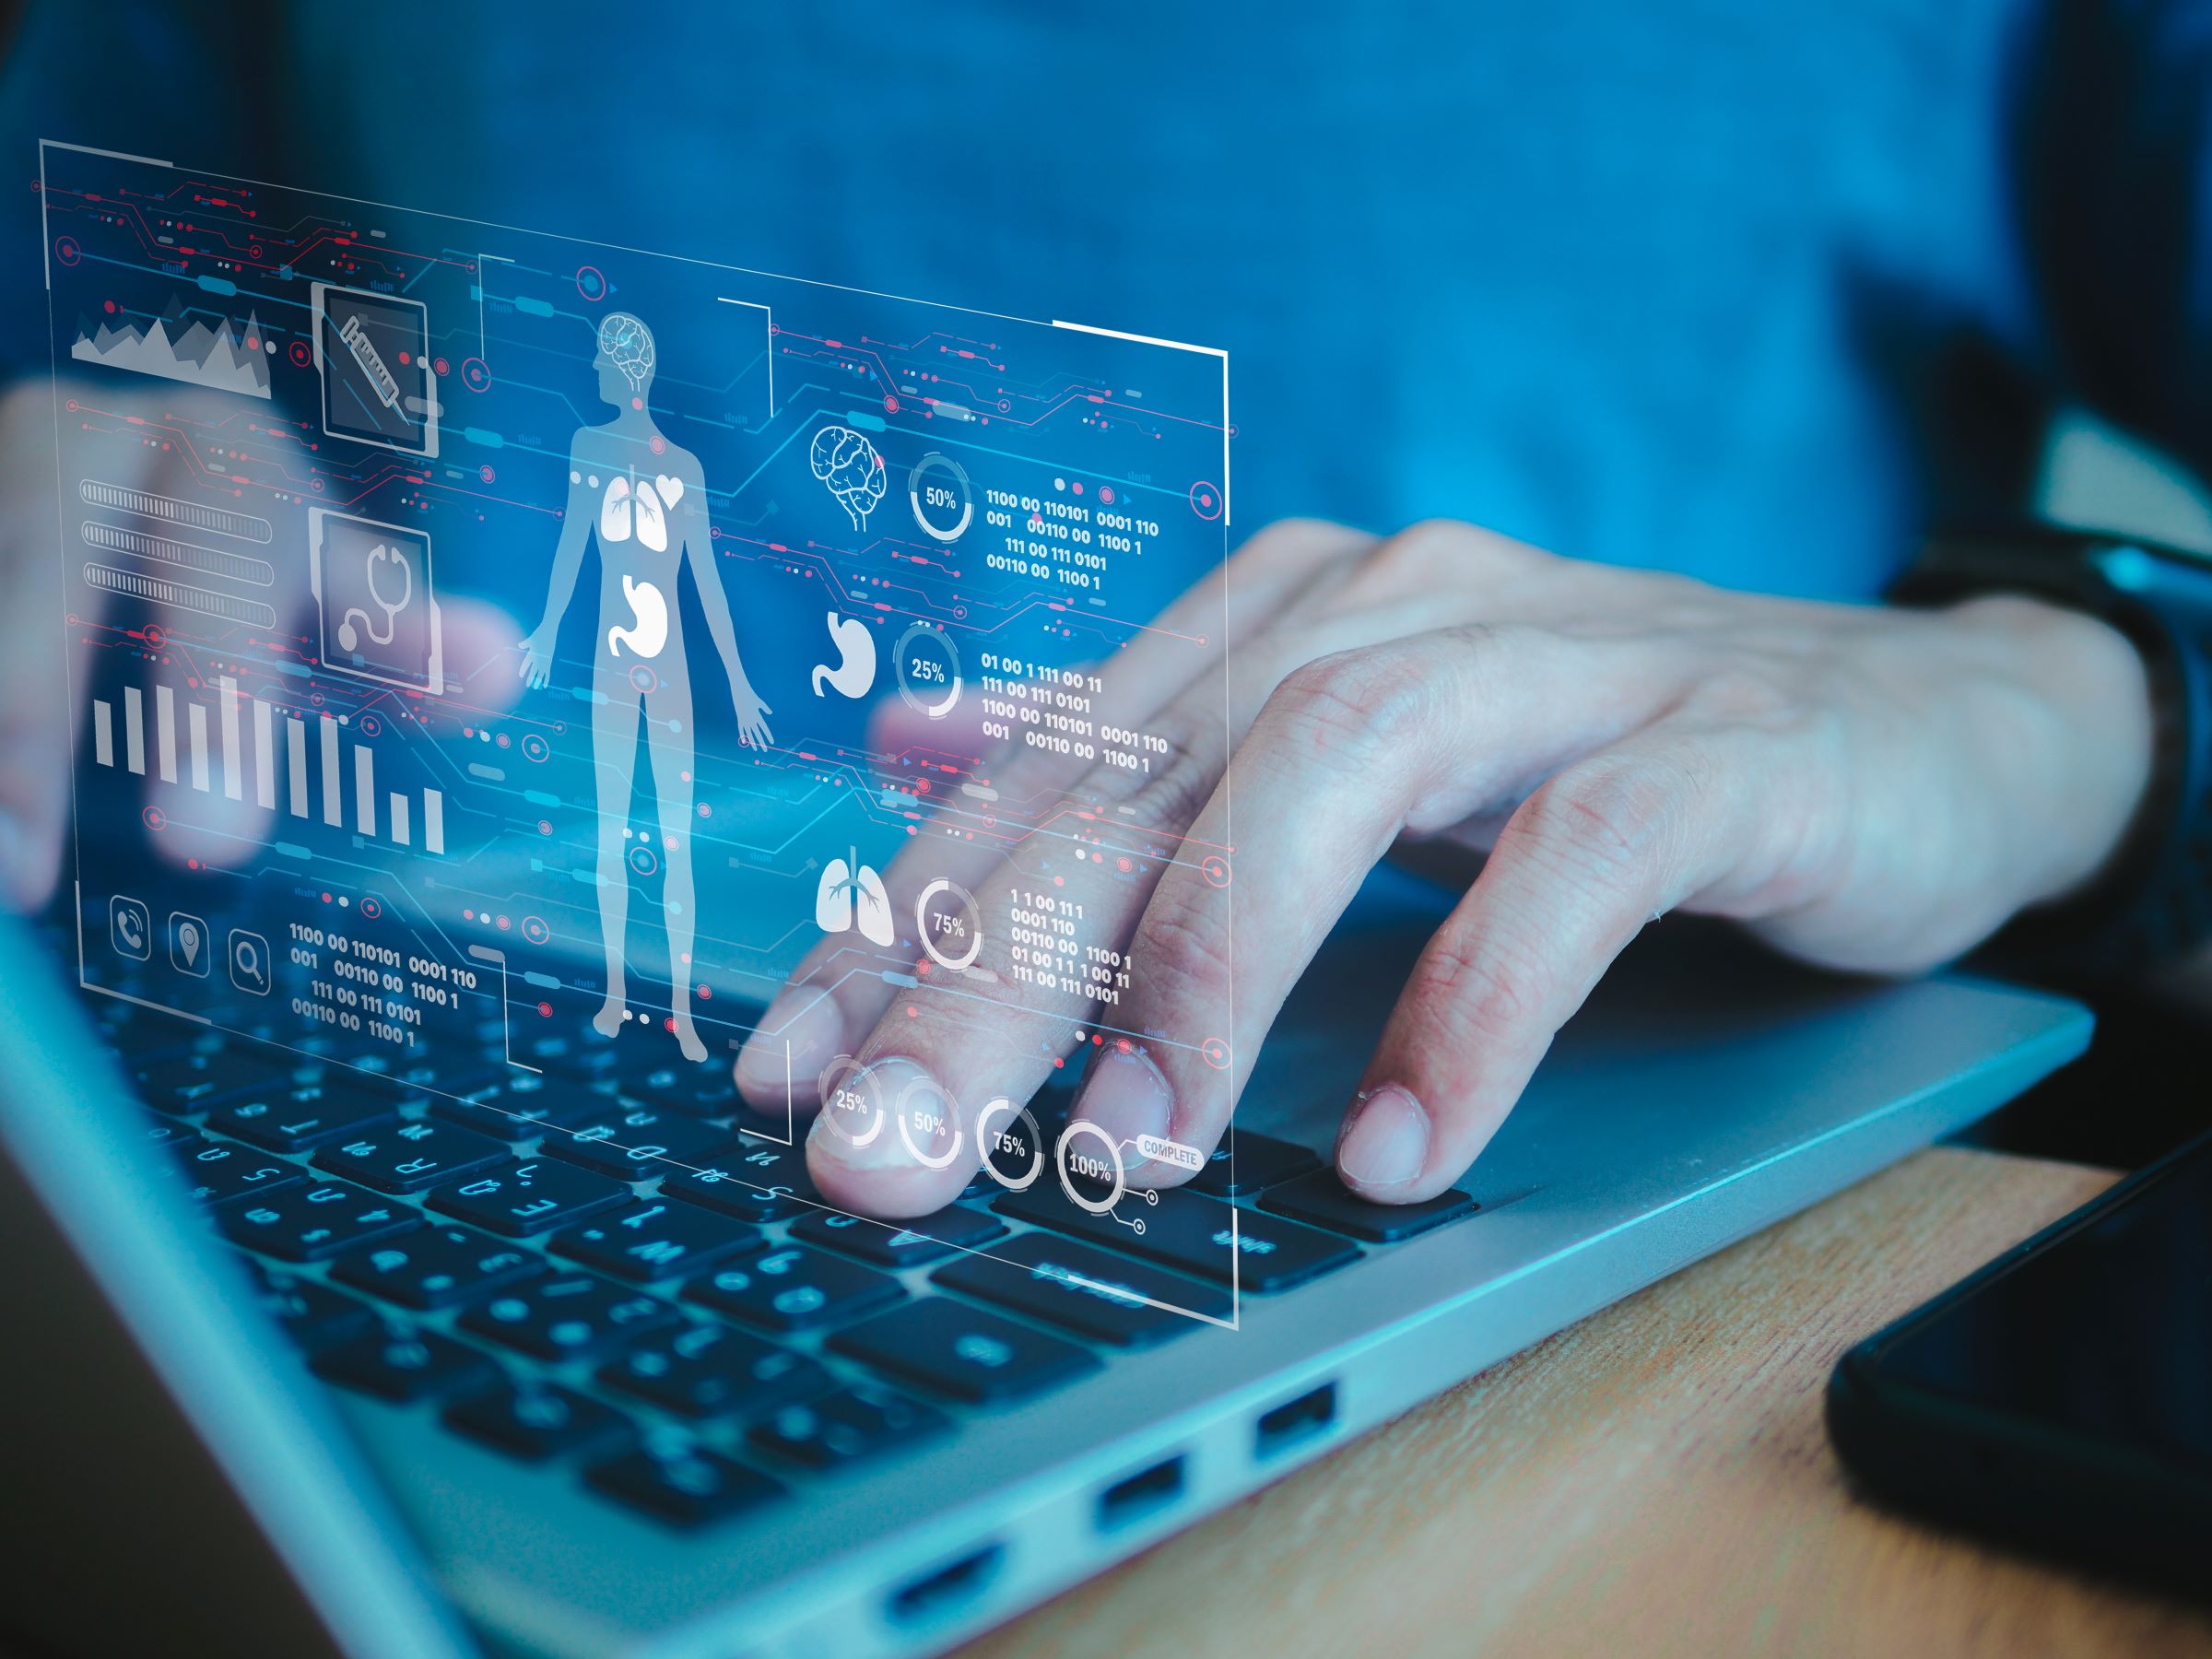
480	633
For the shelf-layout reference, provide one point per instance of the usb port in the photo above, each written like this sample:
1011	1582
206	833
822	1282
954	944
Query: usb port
936	1592
1140	1494
1294	1420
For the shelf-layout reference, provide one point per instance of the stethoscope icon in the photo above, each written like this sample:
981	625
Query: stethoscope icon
348	636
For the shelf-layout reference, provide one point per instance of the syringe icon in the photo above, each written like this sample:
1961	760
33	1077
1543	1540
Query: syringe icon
371	365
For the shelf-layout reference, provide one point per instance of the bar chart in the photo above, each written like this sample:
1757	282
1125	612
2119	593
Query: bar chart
244	751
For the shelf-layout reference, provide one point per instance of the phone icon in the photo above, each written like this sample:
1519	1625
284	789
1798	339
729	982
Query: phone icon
130	930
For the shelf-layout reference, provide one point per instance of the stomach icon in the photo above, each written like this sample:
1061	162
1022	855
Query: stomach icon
649	632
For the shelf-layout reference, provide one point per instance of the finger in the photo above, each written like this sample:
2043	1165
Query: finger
999	1029
1607	845
35	736
835	997
1352	751
1274	572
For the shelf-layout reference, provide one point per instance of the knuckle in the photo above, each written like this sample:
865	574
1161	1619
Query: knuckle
1604	824
1402	563
1359	704
1747	694
1437	550
1486	990
1182	944
1290	541
1180	785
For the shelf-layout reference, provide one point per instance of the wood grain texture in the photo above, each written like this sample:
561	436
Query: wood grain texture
1655	1479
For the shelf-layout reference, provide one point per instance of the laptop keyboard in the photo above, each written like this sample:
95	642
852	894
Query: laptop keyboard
530	1262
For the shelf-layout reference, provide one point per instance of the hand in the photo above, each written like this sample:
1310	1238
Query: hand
752	721
1867	789
537	657
37	724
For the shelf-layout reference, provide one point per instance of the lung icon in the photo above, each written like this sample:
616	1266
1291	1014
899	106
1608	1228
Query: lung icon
645	509
651	630
856	646
851	895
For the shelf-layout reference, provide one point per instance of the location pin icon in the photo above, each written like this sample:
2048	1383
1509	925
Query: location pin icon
188	936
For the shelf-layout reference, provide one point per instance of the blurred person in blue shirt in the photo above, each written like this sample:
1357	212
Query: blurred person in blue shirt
1721	309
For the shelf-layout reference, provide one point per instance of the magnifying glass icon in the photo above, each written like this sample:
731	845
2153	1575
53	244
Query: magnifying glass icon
249	962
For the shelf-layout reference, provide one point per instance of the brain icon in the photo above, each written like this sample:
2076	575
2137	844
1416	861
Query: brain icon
627	343
849	465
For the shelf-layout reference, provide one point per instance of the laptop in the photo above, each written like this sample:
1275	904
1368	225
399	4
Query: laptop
396	1266
196	1439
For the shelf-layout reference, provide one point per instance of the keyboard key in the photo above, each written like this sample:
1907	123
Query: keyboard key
653	1238
1261	1160
304	1115
588	1062
689	1488
928	1240
311	1314
712	1371
518	1198
539	1420
638	1143
1085	1292
164	1132
1192	1233
563	1315
405	1366
140	1034
794	1289
217	1172
701	1091
1322	1199
314	1222
187	1082
406	1158
756	1181
963	1352
846	1427
435	1267
518	1107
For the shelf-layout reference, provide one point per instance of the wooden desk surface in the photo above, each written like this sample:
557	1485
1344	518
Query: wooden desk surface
1656	1479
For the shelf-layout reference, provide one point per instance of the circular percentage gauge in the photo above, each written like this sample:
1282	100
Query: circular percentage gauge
946	914
985	1139
943	504
1113	1162
946	1116
849	1091
929	669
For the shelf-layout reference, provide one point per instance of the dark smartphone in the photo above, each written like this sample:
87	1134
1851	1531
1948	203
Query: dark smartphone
2060	1398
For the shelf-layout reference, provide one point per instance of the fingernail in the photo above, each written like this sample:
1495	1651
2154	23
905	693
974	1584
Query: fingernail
807	1023
1127	1096
1385	1138
865	1146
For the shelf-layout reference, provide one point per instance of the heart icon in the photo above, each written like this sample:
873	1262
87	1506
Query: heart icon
672	489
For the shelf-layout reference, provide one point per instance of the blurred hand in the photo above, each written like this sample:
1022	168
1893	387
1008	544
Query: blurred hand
38	719
1867	789
45	667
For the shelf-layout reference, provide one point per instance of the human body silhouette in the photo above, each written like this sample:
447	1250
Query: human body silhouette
647	500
